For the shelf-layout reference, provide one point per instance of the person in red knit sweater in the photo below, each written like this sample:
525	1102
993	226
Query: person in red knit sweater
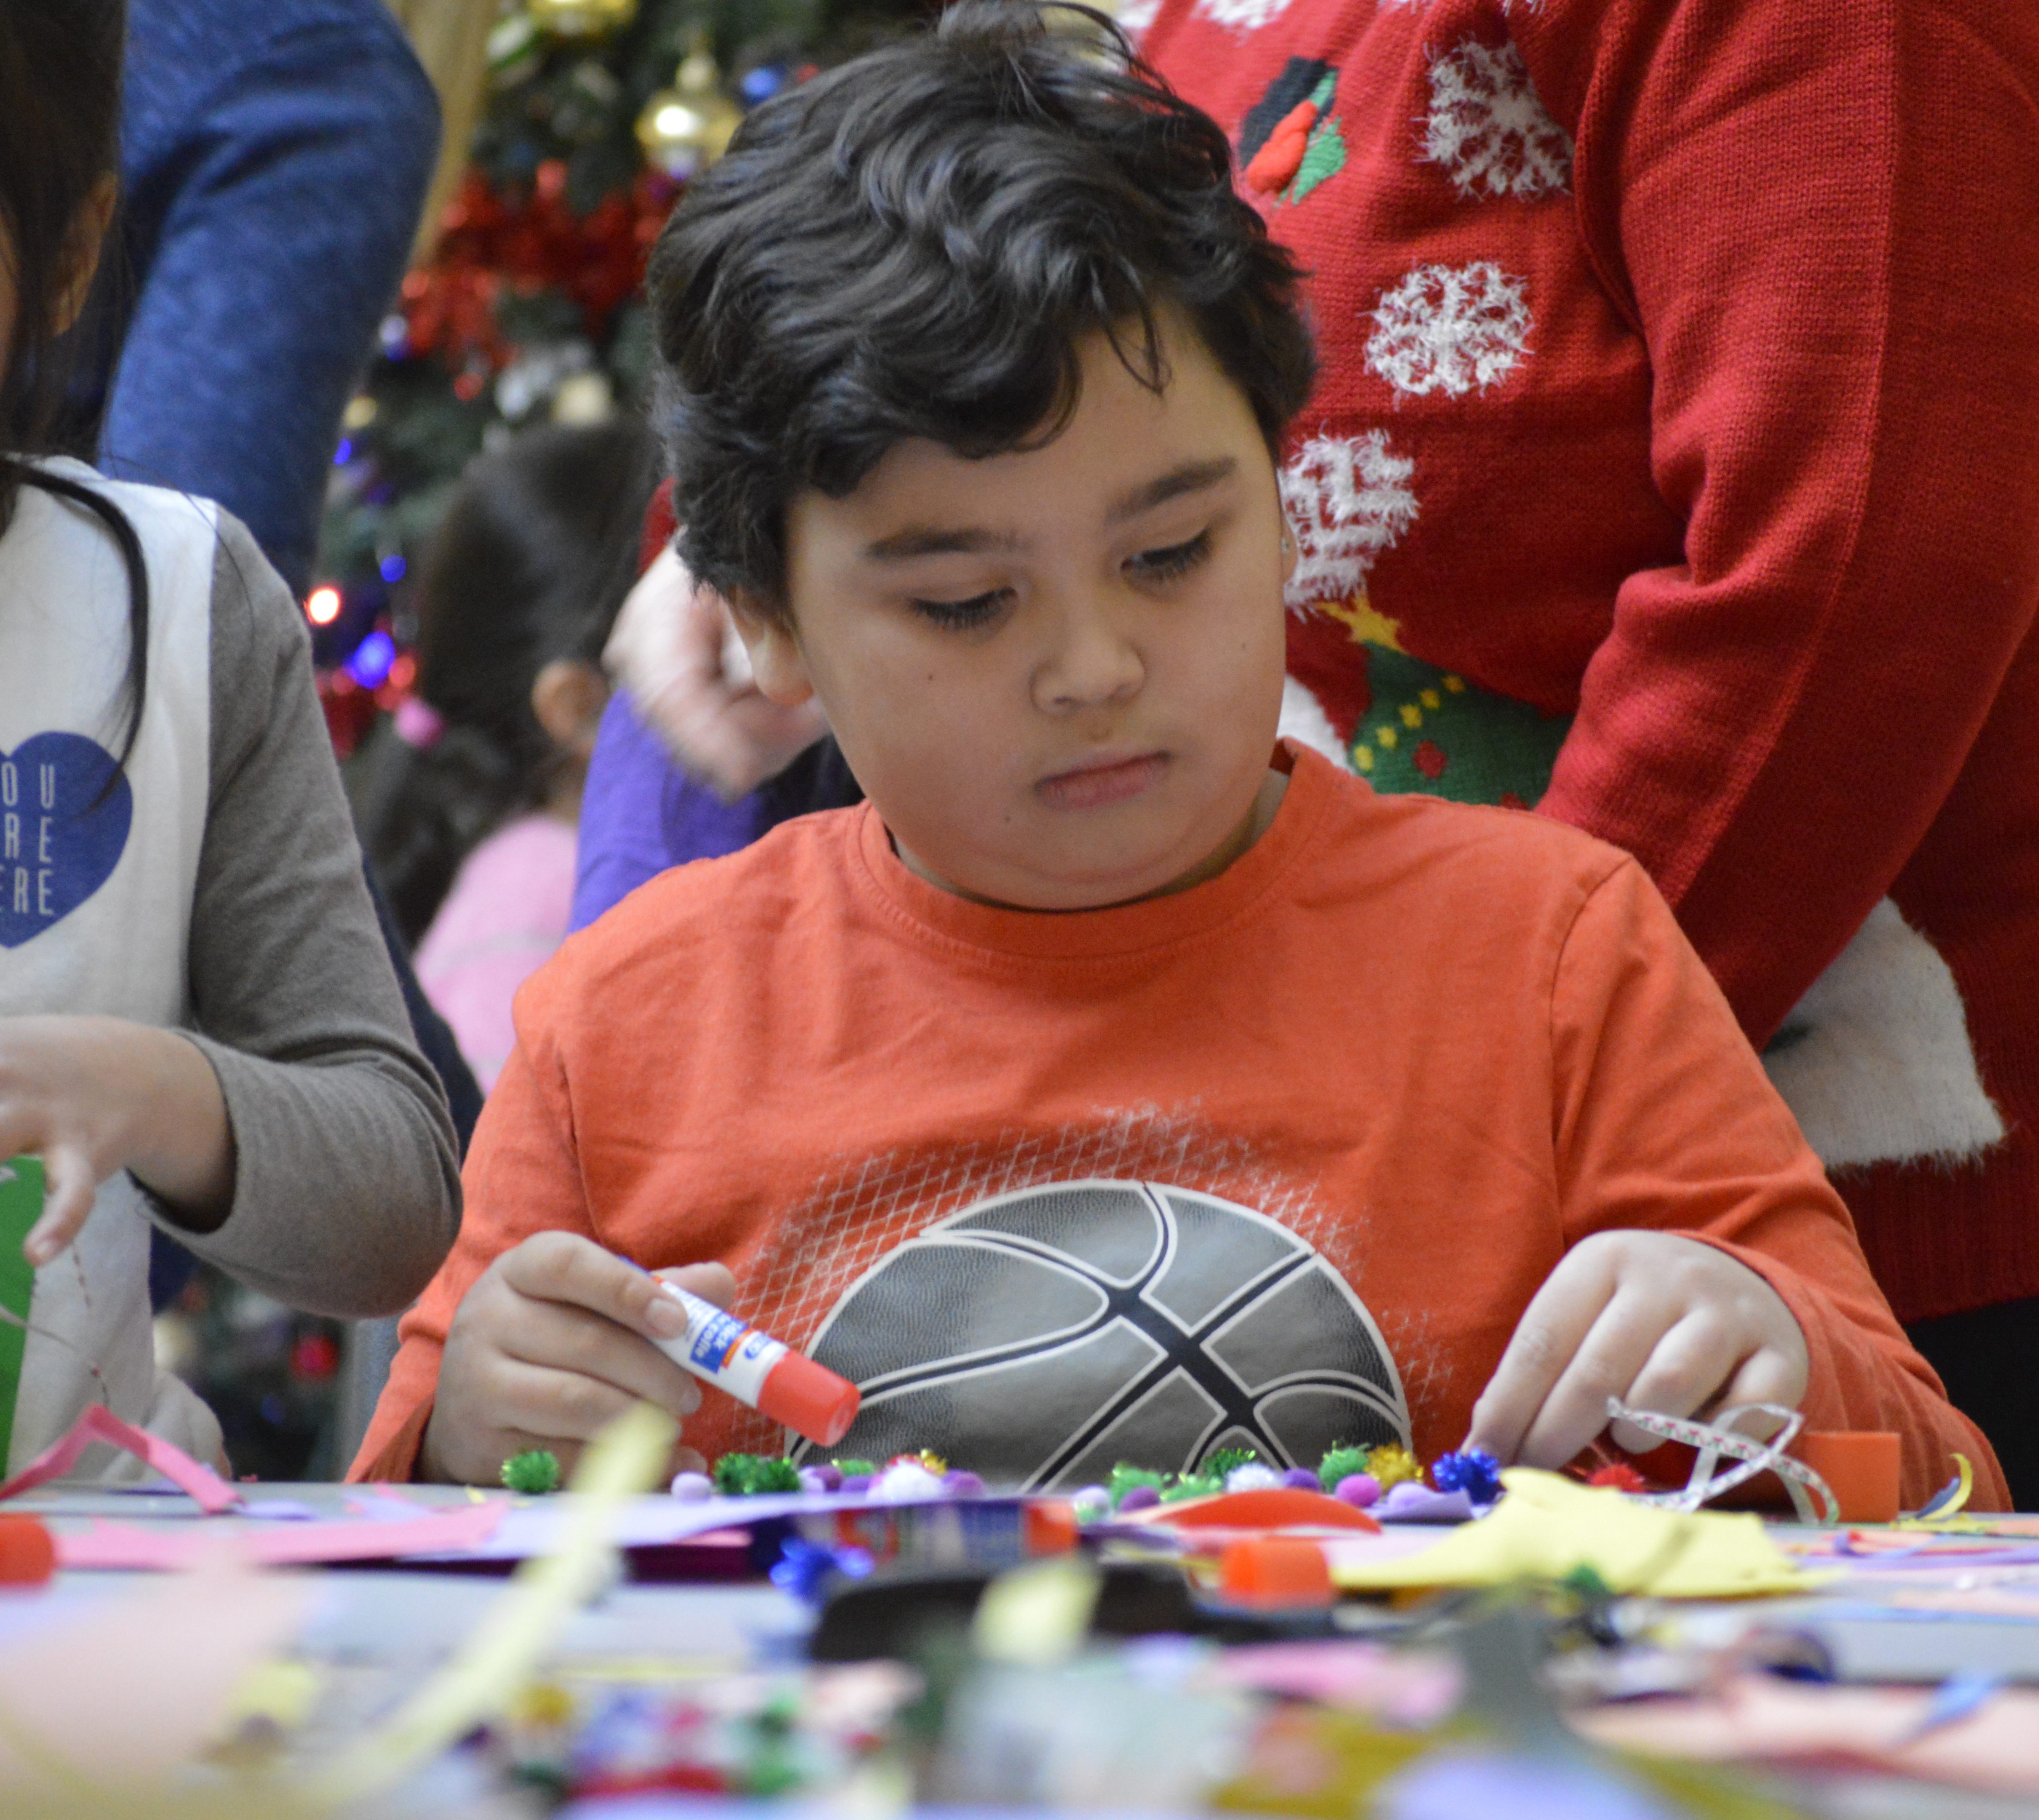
1674	470
1680	400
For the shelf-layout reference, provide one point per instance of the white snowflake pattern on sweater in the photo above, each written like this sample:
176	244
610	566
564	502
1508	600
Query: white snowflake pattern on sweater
1242	15
1447	329
1489	128
1347	498
1135	16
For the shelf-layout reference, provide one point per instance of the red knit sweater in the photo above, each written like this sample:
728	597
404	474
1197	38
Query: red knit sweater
1681	376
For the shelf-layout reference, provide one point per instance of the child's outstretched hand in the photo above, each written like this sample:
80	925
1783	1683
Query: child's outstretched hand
93	1095
1664	1323
550	1345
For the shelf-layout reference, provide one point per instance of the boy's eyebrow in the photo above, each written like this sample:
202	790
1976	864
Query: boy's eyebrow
1190	477
936	540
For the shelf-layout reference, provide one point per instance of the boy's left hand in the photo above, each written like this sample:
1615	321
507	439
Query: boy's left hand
1664	1323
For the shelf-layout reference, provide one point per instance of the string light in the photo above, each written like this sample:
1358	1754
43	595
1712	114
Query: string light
322	607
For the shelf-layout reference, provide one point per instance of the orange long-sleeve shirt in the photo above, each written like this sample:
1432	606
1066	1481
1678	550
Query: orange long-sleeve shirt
1279	1159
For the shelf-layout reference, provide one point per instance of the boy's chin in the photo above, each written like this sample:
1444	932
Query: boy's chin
1062	885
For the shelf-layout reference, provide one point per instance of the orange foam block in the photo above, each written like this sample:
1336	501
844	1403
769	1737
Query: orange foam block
1275	1570
1860	1466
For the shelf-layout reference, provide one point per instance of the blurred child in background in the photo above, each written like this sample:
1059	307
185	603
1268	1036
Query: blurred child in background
474	835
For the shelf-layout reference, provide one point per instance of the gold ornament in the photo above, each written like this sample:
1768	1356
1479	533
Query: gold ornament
690	124
580	18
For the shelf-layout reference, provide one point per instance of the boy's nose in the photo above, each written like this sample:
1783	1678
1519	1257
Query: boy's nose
1093	665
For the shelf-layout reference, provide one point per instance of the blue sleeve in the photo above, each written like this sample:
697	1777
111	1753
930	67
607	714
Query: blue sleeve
289	192
640	813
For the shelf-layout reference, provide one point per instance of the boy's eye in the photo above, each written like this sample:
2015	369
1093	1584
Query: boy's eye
1176	560
961	615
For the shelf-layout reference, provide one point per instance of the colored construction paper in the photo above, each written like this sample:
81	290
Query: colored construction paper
126	1546
133	1688
211	1493
20	1207
1548	1527
1758	1717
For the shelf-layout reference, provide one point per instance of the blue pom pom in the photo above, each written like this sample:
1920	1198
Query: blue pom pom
1475	1471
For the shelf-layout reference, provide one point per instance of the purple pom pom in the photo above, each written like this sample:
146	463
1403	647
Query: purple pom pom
964	1485
830	1477
1140	1498
1300	1479
1475	1472
1360	1490
854	1484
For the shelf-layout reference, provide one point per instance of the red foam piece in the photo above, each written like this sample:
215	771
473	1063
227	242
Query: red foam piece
27	1551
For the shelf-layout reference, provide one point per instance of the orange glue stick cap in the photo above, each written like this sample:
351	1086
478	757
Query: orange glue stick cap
809	1398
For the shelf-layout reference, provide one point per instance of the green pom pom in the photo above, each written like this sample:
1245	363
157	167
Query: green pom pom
855	1469
752	1474
1221	1465
1193	1485
1125	1477
531	1472
1341	1463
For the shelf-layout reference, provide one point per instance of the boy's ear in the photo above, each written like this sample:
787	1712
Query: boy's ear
776	659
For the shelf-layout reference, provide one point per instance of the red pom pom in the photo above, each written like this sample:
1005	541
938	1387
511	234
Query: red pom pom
1619	1476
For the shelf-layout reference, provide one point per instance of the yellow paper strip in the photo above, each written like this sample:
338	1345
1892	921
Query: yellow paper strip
1548	1527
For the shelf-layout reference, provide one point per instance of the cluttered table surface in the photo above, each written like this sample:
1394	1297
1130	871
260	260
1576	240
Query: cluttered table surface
910	1644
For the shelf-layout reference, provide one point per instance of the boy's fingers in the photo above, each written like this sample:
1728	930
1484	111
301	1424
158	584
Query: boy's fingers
1766	1376
564	1266
556	1334
712	1282
1550	1333
1679	1377
1615	1349
70	1187
554	1406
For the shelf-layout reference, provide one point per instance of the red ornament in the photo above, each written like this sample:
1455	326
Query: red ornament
1274	166
1430	760
314	1358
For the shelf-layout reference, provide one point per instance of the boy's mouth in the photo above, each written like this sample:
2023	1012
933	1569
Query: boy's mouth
1099	785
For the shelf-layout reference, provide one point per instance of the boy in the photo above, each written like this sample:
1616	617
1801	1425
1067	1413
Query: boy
1100	1090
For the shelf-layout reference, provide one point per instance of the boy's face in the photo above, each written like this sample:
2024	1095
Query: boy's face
1056	673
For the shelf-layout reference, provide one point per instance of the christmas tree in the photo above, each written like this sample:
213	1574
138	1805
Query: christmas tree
528	308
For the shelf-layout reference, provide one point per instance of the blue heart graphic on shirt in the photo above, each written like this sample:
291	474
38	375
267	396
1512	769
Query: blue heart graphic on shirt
62	829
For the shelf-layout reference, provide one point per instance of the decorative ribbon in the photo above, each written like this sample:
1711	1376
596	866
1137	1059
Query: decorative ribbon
1713	1440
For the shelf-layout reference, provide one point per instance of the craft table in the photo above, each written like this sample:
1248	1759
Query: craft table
372	1635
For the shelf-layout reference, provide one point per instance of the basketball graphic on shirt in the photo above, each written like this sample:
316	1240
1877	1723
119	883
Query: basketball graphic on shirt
1041	1337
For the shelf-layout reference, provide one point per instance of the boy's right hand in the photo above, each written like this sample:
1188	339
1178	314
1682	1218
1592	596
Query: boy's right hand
552	1344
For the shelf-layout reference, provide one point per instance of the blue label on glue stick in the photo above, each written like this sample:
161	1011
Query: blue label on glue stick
722	1348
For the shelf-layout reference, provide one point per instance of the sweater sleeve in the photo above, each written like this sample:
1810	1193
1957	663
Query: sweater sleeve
346	1191
294	167
1664	1118
523	1177
1812	219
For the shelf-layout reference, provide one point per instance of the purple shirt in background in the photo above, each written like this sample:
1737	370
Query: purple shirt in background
641	814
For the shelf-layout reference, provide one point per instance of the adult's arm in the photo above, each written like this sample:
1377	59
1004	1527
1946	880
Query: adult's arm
1822	228
347	1183
289	184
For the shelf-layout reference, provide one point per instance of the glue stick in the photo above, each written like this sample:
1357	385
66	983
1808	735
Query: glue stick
764	1373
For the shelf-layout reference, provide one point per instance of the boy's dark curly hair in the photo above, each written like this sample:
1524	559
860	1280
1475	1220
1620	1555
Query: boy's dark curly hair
915	244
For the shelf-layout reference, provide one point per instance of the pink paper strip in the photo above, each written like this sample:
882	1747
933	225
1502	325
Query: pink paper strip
211	1493
125	1547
